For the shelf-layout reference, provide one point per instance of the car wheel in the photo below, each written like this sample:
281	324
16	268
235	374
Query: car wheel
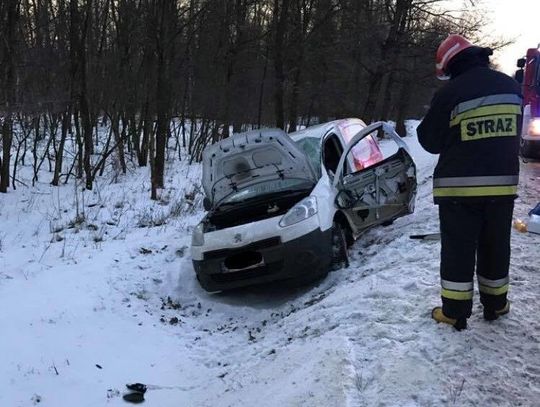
340	257
526	149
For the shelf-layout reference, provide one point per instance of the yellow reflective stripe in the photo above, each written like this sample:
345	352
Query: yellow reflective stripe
493	290
456	295
476	191
486	111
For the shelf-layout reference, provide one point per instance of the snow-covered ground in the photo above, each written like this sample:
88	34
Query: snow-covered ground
97	290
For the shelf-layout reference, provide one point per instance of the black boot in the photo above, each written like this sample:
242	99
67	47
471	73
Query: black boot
492	315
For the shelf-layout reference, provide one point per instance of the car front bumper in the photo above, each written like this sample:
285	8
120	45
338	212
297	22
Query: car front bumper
265	260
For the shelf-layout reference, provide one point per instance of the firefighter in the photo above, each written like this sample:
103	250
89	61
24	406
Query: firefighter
473	123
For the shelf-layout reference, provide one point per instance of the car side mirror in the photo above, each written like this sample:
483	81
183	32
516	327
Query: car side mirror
207	204
521	62
519	76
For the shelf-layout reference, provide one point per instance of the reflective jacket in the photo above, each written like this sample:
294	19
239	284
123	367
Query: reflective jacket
473	123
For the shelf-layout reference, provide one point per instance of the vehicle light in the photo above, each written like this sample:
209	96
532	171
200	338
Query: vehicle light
197	238
534	127
303	210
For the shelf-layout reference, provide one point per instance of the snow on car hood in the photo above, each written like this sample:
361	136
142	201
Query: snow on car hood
249	158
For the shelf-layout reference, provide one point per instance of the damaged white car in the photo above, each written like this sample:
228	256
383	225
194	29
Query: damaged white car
286	207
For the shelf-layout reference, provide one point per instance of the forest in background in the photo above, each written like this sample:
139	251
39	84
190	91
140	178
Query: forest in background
193	70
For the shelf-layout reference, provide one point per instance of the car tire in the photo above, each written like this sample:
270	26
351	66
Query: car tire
526	149
340	256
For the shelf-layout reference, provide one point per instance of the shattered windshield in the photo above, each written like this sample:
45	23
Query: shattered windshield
311	146
268	187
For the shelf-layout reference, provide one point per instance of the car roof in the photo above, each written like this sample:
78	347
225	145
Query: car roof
319	130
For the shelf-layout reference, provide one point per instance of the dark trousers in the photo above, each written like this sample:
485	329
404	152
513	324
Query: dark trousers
474	234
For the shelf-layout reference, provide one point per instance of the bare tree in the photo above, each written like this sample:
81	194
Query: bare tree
9	14
123	83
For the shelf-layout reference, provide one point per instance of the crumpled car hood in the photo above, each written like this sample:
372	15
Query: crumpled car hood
250	158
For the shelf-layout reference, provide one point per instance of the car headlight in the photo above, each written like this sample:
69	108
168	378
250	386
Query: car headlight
197	238
534	127
304	209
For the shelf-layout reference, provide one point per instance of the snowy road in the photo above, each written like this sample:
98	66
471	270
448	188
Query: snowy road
89	307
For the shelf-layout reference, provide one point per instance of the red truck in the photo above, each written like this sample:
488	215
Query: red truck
528	75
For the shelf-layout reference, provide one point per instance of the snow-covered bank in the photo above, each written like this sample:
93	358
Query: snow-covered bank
88	306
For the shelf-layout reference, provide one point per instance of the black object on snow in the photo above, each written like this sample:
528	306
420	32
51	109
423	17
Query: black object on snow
134	397
426	236
138	390
138	387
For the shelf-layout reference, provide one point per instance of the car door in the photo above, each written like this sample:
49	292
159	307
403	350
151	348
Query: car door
384	189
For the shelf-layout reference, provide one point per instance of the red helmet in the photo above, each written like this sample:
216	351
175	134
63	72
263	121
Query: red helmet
449	48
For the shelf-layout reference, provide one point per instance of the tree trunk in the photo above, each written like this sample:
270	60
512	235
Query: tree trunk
119	141
146	127
7	135
9	21
280	24
86	117
261	89
402	104
66	121
389	57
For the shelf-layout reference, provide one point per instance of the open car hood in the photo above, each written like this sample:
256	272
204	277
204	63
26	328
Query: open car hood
249	158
